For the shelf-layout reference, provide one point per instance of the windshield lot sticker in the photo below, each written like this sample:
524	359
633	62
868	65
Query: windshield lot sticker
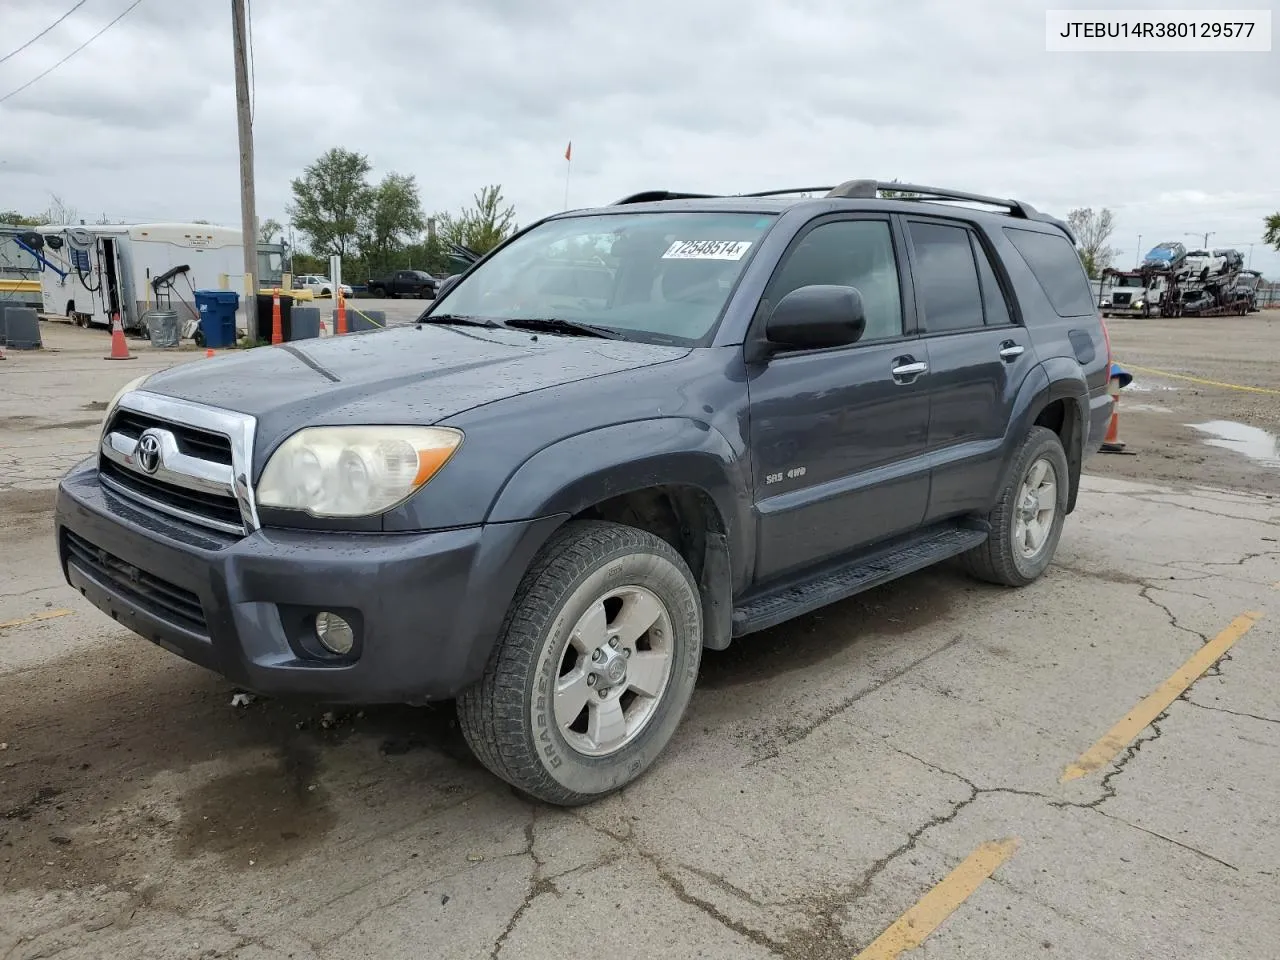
707	250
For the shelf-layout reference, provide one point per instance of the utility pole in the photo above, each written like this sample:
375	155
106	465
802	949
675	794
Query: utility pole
248	215
1205	245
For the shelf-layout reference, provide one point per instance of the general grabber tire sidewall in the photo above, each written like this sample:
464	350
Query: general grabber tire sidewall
997	560
508	717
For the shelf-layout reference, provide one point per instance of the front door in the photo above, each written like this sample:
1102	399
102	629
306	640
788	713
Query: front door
978	359
838	435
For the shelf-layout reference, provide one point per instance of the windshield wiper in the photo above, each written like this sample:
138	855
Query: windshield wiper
559	325
461	318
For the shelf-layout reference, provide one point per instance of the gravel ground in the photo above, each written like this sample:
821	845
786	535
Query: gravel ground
1159	414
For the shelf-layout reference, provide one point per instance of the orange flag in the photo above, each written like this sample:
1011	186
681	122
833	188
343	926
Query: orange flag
568	151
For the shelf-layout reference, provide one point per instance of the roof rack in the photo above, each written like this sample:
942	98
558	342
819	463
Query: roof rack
654	196
870	190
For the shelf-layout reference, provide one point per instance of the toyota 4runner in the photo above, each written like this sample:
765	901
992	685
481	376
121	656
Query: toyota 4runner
625	435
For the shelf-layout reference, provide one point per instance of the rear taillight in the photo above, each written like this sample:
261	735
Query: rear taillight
1106	336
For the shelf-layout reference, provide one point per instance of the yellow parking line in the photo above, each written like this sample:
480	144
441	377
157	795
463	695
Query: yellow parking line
929	913
47	615
1207	383
1156	702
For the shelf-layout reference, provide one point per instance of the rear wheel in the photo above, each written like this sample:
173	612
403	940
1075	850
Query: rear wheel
1026	522
594	666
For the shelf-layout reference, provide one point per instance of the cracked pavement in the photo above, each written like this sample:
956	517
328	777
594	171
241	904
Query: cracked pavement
828	774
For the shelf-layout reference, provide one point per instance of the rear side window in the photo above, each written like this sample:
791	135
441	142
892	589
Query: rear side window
1056	265
992	296
946	277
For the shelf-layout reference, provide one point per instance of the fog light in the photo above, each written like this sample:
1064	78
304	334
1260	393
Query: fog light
334	633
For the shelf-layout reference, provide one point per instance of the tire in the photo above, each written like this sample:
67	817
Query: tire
1001	559
509	717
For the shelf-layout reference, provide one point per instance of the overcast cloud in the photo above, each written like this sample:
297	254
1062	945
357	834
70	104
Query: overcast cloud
708	95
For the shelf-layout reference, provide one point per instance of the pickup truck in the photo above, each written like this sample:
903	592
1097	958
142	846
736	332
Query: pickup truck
549	495
404	283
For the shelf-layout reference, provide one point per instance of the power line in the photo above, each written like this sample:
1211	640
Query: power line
41	76
44	31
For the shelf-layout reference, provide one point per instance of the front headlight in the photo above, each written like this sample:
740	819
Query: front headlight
353	471
1138	304
115	401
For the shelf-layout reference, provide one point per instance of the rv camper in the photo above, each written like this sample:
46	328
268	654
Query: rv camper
90	273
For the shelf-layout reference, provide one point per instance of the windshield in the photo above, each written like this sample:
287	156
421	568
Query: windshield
646	276
1128	281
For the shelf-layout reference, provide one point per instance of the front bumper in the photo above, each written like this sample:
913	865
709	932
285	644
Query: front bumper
426	607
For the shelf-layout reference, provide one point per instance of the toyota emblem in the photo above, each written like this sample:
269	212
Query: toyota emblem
148	452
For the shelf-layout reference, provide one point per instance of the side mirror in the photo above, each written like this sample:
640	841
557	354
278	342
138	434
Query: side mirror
821	315
447	284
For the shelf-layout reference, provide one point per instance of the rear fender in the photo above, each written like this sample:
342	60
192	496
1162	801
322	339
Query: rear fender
1057	378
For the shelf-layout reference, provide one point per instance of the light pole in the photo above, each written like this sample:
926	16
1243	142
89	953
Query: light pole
1206	236
1137	257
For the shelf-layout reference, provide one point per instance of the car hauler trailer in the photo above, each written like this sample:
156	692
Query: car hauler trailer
1207	291
89	273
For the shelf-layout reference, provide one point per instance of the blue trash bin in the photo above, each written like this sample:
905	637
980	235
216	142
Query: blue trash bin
218	316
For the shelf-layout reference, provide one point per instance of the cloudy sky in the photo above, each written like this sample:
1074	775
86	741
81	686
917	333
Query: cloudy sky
708	95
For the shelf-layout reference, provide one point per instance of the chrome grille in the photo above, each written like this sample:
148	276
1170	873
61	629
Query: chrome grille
182	459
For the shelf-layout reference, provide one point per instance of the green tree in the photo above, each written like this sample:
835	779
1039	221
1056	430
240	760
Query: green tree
1271	234
330	201
269	229
15	219
897	194
393	218
482	227
1092	231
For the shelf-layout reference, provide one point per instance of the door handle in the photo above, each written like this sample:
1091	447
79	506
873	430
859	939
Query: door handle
1010	350
906	369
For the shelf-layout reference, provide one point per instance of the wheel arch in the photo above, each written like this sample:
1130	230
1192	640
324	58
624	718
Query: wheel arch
1055	396
677	478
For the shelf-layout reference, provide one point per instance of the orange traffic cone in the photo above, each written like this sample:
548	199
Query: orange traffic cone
1112	443
342	313
119	348
208	354
277	326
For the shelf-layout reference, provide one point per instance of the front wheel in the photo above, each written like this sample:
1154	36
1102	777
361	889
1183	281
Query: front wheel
1026	522
593	668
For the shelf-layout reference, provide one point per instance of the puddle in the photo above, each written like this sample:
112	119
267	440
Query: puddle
1256	444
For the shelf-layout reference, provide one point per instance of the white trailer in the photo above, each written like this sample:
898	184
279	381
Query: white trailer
92	272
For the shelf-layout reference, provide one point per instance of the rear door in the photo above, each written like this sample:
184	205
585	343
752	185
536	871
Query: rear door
838	434
979	355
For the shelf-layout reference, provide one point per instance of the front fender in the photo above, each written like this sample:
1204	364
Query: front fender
575	473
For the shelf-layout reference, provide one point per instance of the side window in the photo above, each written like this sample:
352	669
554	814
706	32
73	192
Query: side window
854	253
993	301
1057	267
946	277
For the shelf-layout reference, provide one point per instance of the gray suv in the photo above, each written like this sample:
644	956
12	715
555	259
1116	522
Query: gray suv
626	435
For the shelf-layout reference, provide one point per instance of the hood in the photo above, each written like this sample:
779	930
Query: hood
418	375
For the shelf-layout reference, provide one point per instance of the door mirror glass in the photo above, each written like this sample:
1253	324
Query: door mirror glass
819	315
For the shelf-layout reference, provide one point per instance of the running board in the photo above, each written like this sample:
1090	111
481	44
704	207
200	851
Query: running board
829	585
